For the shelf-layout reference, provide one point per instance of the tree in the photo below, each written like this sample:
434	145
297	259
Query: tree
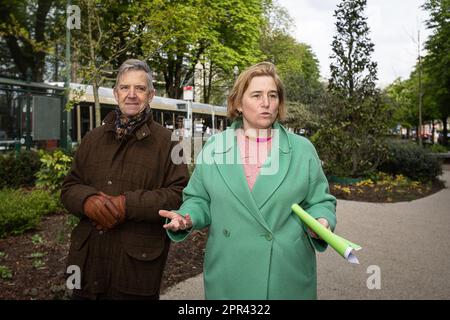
218	34
401	99
111	33
437	61
354	123
353	74
30	31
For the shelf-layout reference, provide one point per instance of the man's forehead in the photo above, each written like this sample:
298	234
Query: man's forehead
133	77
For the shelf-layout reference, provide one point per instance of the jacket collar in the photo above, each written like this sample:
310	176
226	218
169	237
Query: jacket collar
284	144
227	159
141	132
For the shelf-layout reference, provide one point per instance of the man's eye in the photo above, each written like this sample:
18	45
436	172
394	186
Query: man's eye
123	88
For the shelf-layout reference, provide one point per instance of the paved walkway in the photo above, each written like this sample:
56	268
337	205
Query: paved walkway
408	241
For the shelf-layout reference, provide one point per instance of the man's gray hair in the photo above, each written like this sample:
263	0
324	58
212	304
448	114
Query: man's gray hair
135	64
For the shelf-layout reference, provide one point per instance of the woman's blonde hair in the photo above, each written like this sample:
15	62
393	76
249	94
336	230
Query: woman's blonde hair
258	70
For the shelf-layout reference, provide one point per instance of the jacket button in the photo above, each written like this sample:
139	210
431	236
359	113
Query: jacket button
143	134
109	182
269	237
100	232
144	255
226	233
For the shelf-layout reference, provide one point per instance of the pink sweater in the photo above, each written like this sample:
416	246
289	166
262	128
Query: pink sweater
253	155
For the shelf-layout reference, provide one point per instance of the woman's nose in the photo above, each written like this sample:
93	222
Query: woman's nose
265	101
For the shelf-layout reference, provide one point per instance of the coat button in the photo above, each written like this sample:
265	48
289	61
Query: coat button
143	134
144	255
109	182
226	233
100	232
269	237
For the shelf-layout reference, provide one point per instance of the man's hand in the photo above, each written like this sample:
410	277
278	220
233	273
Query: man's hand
178	222
120	203
323	222
101	211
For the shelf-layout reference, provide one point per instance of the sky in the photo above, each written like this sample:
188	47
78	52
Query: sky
393	24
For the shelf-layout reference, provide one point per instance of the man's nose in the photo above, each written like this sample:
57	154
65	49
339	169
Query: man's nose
131	93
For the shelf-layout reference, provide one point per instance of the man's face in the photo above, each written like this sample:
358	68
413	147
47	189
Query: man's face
132	92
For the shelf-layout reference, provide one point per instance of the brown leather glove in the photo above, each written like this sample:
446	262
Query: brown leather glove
120	203
101	211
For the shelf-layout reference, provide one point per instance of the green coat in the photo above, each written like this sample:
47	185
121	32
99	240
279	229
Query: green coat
257	247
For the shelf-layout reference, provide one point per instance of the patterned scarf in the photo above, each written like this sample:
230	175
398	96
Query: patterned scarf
126	125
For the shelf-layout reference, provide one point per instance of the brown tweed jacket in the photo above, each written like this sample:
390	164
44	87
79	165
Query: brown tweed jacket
130	258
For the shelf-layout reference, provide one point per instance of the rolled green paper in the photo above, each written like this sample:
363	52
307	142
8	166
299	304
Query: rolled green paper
342	246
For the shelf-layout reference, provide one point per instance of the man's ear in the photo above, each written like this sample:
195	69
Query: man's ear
151	95
115	94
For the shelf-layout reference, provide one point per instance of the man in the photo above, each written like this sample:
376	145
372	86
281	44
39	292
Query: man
121	176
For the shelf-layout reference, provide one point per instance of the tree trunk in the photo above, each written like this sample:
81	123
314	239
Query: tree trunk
433	130
93	69
445	131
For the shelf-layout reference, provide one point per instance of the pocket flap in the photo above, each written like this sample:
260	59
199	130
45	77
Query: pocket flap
144	253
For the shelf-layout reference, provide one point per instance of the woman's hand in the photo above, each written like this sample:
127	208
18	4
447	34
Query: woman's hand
323	222
177	221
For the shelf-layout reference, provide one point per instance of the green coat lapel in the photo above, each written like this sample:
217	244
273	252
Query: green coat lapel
275	168
226	156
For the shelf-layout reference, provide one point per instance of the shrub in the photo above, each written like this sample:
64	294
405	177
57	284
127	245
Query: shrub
18	170
5	272
411	161
21	211
54	168
437	148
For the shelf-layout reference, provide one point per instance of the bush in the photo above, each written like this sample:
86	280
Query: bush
437	148
411	161
18	170
54	168
21	211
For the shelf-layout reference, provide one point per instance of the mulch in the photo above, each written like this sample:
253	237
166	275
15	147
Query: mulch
37	260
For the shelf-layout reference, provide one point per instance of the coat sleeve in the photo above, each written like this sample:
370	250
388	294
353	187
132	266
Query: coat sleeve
319	203
74	191
143	205
196	202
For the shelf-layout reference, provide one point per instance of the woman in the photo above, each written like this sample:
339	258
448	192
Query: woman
245	181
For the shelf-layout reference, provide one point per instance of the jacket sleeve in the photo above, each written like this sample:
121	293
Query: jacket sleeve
143	205
319	203
74	191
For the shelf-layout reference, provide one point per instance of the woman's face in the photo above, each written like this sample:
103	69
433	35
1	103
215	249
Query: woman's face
260	103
